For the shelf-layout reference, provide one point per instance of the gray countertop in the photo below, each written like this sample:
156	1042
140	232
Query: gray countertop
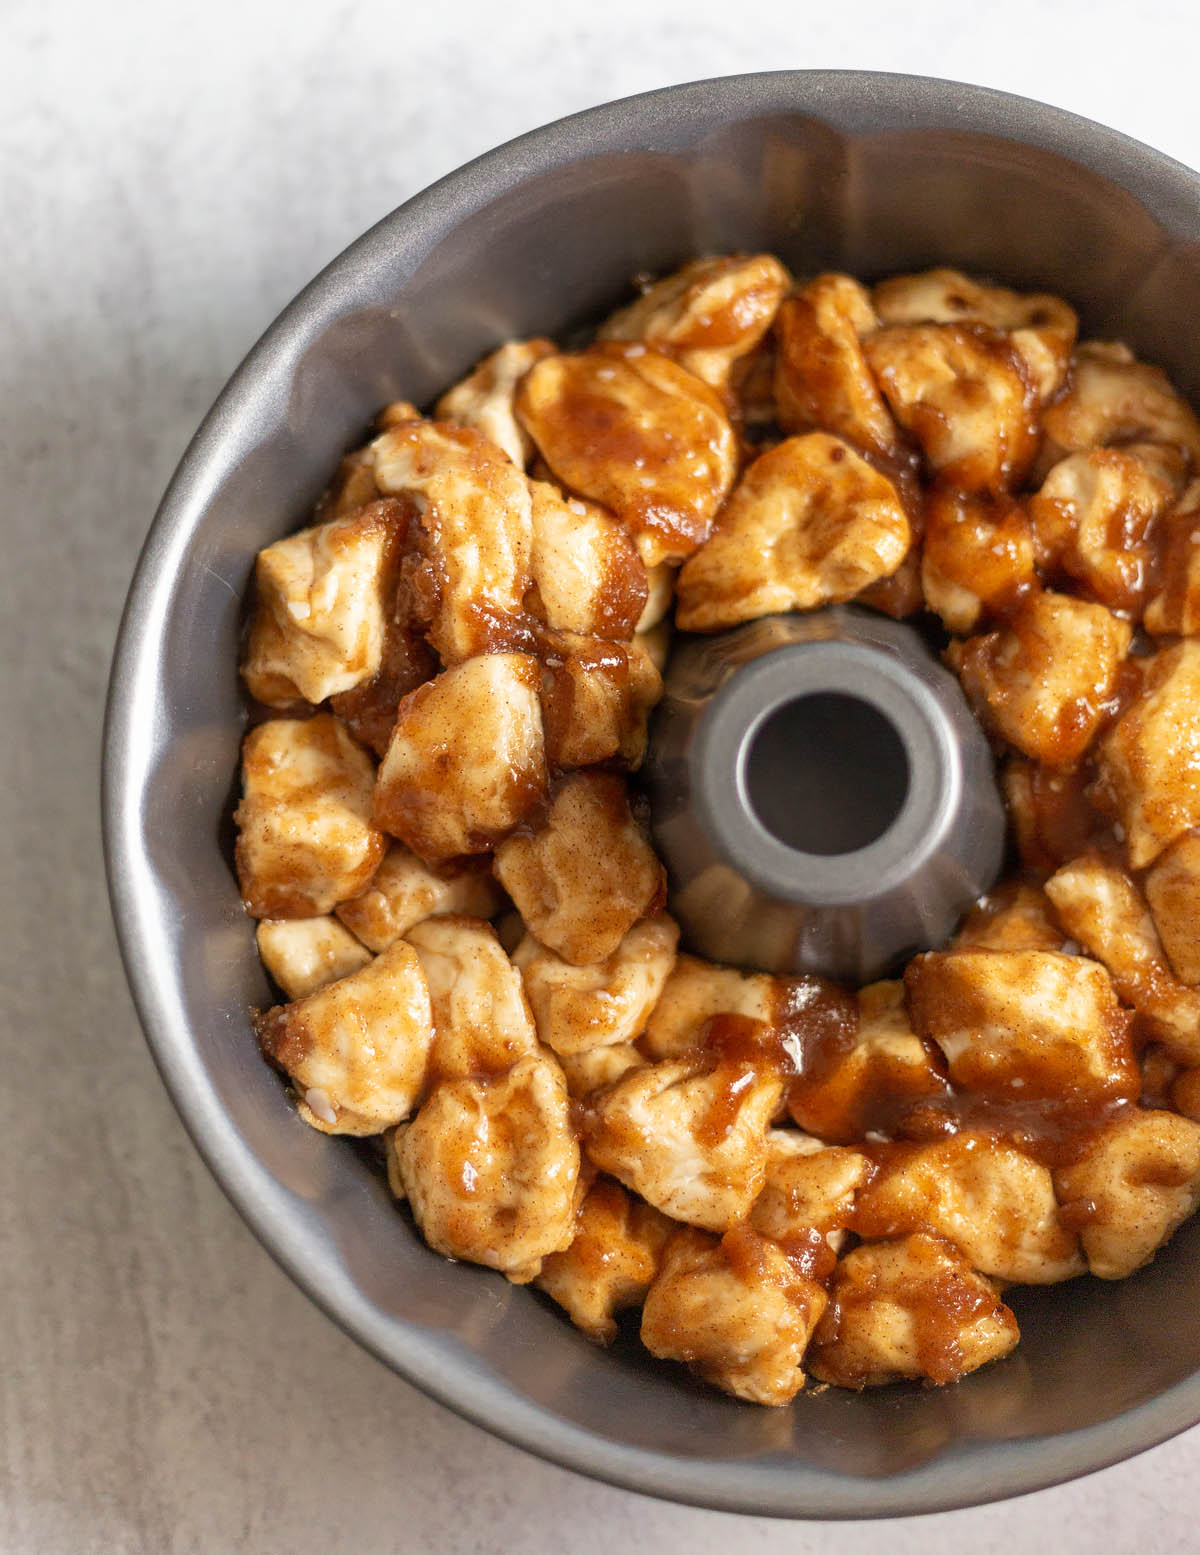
170	178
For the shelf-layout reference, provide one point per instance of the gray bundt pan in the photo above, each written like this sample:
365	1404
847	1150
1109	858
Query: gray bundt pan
870	173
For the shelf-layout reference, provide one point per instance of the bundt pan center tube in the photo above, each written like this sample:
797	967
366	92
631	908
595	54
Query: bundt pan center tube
871	174
821	795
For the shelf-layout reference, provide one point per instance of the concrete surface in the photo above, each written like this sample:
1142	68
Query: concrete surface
170	177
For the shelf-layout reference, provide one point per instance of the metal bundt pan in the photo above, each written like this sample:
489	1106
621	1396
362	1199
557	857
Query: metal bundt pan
870	173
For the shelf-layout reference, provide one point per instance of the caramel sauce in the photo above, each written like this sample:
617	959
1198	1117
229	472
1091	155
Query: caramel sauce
623	595
1061	822
656	447
566	675
750	1259
1054	1130
809	1253
602	1241
813	1022
743	1048
947	1304
816	1022
847	1107
284	1039
369	709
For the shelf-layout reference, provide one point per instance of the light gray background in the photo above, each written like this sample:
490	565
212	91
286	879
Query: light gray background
170	177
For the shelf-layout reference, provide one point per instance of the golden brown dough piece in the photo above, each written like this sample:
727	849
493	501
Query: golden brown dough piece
1094	516
977	558
1114	399
1045	680
963	393
1048	1025
992	1201
1040	327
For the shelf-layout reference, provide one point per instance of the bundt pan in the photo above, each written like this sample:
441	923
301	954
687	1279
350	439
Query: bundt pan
867	173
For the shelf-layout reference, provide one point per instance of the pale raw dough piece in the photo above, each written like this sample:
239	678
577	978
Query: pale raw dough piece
467	758
977	557
1134	1186
490	1167
318	627
404	891
357	1049
577	1008
736	1310
481	1019
1094	515
910	1308
697	990
810	523
484	398
1173	892
584	876
585	572
304	954
305	835
1174	610
652	1130
1100	907
707	315
1150	760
